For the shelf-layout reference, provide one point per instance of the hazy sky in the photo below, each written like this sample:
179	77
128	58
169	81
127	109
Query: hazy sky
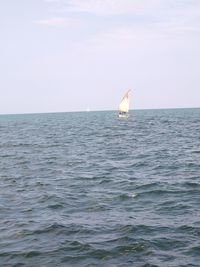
66	55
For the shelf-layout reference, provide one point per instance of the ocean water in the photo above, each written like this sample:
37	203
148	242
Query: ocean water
89	189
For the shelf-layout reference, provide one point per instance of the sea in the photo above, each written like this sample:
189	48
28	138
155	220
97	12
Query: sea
90	189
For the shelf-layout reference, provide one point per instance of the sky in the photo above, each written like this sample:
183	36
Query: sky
70	55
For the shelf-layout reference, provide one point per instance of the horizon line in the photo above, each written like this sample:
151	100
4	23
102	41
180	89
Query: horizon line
102	110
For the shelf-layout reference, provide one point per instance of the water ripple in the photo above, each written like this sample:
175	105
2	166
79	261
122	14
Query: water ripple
87	189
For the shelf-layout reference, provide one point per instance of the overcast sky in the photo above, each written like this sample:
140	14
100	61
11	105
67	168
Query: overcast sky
67	55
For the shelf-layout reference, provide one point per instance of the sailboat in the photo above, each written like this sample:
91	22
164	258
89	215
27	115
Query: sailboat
124	106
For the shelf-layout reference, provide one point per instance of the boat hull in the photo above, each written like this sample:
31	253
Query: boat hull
126	115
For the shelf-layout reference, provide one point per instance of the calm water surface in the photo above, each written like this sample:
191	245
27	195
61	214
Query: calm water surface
89	189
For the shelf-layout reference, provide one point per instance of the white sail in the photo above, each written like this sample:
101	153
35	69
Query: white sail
124	104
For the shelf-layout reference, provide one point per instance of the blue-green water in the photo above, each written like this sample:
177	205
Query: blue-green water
89	189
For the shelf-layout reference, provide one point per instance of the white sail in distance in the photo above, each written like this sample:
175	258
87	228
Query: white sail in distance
124	104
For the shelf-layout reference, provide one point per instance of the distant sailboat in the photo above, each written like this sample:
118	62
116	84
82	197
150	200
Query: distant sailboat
124	106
